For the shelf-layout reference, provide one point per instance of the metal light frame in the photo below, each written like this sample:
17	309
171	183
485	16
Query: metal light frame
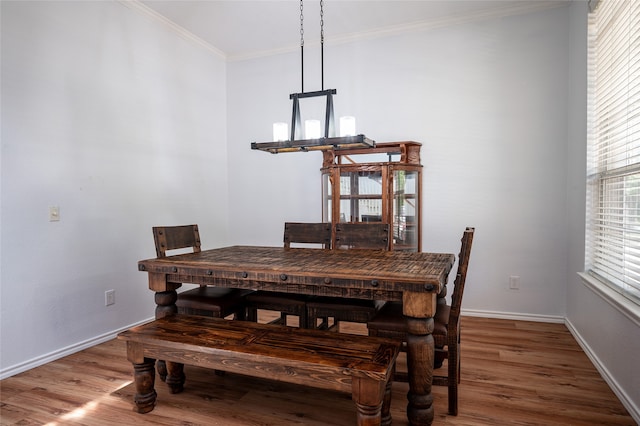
330	140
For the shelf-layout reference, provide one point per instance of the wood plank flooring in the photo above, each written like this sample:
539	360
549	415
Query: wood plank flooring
513	372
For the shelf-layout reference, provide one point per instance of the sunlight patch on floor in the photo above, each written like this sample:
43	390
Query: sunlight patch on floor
88	408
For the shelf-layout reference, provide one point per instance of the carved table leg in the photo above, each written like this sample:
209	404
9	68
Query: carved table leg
420	355
145	376
166	305
175	377
419	309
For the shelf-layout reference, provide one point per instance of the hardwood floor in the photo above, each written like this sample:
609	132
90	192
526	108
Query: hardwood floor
513	372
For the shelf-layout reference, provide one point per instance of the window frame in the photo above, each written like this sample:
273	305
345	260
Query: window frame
607	174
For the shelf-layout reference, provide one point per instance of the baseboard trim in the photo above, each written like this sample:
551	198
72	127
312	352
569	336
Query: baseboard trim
61	353
628	403
513	316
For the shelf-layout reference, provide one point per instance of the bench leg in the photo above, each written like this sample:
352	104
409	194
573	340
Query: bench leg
145	376
368	395
251	314
175	376
386	402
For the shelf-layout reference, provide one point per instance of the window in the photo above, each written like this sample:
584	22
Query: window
613	162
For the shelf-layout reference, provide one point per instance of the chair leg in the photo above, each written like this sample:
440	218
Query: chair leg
453	379
252	314
312	320
458	350
439	357
161	367
303	321
240	315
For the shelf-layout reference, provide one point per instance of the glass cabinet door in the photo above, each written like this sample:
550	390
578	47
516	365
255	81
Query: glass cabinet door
405	209
327	197
361	196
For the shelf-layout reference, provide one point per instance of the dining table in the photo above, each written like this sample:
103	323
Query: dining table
418	279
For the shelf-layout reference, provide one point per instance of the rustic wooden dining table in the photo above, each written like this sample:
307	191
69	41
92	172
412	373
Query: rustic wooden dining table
415	278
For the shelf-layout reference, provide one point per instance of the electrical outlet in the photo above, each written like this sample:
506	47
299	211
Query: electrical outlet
514	282
109	297
54	214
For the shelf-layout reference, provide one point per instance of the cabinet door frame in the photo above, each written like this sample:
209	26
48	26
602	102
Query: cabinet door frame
333	166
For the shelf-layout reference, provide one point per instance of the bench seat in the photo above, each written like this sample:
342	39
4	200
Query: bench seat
360	365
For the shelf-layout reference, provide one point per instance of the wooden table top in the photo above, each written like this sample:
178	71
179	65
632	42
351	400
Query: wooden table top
383	270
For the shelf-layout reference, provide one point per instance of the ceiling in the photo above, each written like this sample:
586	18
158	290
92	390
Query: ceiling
239	29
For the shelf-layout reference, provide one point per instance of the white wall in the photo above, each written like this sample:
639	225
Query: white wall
488	101
122	124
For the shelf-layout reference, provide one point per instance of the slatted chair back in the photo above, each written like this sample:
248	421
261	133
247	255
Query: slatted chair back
372	235
461	277
176	237
288	304
307	233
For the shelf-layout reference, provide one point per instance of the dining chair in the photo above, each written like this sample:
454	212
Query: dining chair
204	300
390	322
371	236
298	234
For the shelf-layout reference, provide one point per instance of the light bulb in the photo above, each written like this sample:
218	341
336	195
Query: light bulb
347	126
312	129
280	131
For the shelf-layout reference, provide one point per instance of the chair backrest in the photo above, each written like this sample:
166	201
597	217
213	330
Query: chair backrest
372	235
176	237
461	277
307	233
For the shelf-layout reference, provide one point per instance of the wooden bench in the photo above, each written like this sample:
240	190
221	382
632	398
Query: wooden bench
360	365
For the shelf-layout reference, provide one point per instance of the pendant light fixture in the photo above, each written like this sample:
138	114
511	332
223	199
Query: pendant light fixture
313	139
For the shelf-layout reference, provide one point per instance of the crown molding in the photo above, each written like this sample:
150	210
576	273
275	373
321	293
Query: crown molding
511	9
180	31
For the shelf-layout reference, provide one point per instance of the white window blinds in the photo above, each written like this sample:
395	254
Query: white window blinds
613	163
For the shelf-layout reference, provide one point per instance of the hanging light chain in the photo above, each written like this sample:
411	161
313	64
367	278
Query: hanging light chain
322	43
321	21
301	25
301	47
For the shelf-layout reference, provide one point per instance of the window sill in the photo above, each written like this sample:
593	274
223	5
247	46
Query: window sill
615	299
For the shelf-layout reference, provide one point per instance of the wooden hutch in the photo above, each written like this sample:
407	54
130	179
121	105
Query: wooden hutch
379	184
